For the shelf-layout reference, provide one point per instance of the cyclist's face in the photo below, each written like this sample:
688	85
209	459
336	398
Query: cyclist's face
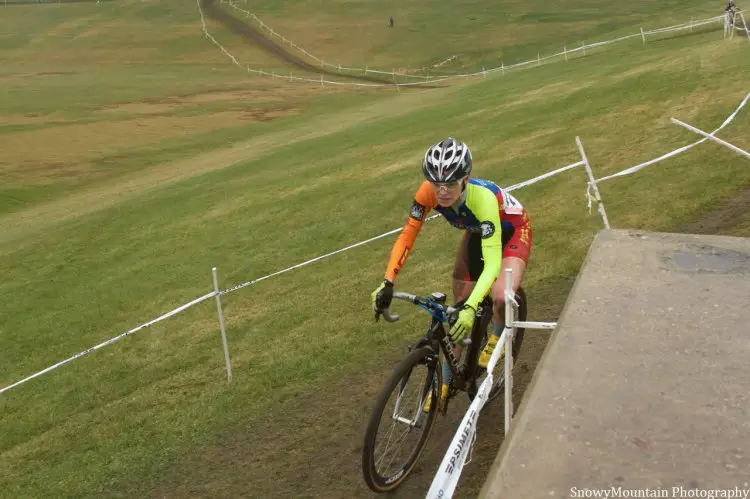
447	192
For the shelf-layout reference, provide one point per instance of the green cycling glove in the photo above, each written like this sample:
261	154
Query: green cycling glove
463	324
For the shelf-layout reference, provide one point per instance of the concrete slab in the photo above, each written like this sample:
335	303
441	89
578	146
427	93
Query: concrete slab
645	384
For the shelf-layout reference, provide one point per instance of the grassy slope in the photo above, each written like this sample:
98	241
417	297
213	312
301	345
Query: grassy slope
480	33
106	106
153	414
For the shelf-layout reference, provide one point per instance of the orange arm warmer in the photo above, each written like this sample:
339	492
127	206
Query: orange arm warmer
424	201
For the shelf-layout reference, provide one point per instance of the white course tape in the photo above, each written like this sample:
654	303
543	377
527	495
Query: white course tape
112	340
711	137
542	177
394	231
676	151
243	285
422	79
308	262
446	479
318	59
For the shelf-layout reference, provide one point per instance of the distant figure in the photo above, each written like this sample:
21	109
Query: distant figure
730	11
390	25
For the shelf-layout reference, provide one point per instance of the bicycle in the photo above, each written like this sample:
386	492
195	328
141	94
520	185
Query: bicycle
466	376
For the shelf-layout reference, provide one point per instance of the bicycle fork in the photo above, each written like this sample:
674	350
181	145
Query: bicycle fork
416	419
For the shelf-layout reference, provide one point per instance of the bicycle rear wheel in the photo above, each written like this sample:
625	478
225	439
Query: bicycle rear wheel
398	428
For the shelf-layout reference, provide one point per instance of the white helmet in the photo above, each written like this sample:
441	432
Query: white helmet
447	161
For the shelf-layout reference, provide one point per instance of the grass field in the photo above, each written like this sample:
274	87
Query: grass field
477	32
129	169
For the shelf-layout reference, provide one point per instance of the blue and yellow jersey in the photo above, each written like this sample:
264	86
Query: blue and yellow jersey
481	209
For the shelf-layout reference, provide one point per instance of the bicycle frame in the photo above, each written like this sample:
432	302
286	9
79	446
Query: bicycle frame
462	373
438	339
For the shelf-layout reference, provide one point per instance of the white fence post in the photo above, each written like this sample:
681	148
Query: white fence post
510	332
221	324
711	137
592	183
447	476
747	30
726	24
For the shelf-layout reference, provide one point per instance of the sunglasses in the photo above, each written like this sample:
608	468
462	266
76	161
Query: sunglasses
449	186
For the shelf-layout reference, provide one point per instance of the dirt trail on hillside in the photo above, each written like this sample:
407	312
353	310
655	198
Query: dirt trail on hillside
722	219
312	448
256	37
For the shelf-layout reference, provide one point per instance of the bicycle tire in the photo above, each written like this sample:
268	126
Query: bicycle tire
401	372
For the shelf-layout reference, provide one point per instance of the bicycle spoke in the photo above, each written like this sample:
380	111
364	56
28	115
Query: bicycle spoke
400	443
390	432
399	427
392	450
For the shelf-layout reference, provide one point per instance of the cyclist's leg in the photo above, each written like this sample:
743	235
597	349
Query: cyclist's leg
515	256
516	249
464	279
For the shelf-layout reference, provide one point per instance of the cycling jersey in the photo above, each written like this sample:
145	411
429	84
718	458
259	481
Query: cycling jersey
483	209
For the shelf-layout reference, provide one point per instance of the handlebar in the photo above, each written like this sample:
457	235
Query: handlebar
401	296
442	310
435	308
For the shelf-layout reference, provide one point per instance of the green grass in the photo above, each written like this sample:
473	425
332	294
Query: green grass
136	232
106	106
481	34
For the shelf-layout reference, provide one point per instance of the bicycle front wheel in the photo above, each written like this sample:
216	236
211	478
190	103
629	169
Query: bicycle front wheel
399	426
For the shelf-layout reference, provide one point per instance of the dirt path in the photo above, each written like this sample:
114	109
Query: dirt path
256	37
313	447
722	219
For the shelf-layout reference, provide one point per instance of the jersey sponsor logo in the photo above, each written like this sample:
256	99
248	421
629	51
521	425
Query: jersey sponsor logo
488	229
417	211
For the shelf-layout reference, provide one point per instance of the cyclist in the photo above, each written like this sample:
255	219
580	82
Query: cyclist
729	14
497	236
